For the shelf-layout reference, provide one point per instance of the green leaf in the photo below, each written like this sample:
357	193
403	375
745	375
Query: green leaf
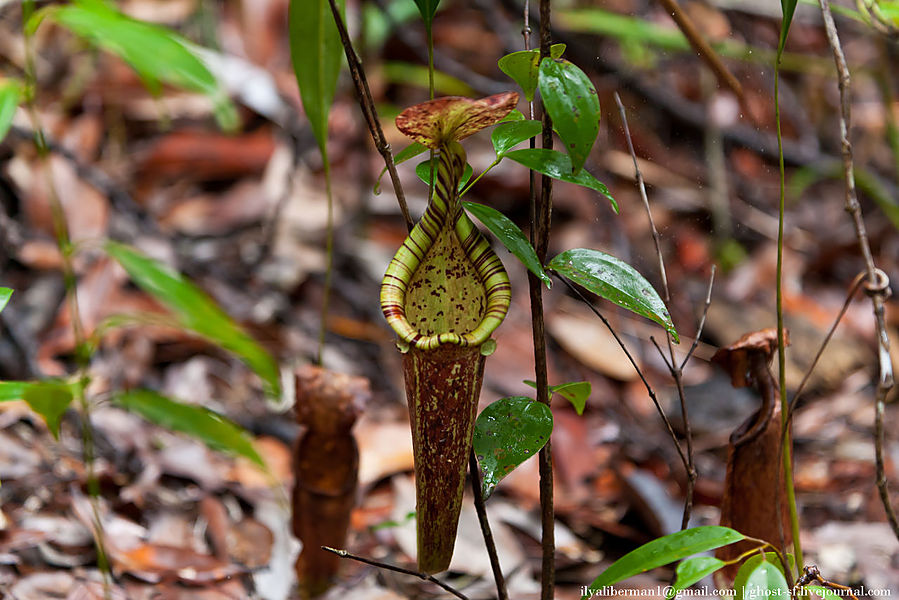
506	136
410	151
666	550
157	54
507	433
514	115
572	103
196	311
199	422
50	401
10	95
614	280
423	170
751	564
5	295
788	8
692	570
522	67
427	8
558	166
316	52
405	73
509	236
575	392
16	390
765	581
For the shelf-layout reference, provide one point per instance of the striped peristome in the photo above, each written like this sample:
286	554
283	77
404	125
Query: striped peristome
443	216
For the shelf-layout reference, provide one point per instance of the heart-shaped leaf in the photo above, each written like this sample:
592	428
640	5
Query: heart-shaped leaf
572	103
522	66
50	401
665	550
692	570
509	236
10	94
506	136
614	280
557	165
453	118
507	433
209	427
575	392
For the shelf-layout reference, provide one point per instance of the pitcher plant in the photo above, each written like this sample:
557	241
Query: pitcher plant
444	293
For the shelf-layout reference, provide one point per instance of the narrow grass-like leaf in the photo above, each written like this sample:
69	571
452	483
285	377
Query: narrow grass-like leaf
10	94
507	433
522	67
427	9
506	136
157	54
423	170
666	550
509	236
209	427
765	581
50	401
572	103
5	295
614	280
575	392
558	166
316	52
196	311
788	8
692	570
750	564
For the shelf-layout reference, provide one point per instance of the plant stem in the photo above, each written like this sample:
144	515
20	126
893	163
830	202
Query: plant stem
786	439
329	260
486	533
541	211
381	565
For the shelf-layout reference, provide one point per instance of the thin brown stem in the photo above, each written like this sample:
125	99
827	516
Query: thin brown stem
389	567
673	368
367	104
705	312
486	533
877	287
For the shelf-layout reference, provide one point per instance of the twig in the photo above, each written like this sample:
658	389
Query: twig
703	49
676	371
367	104
380	565
487	534
877	287
705	312
649	389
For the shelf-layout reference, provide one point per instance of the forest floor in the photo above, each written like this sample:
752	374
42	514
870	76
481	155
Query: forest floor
244	216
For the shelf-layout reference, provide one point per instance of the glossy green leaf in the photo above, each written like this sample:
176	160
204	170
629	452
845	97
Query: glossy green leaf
410	151
572	103
50	401
316	53
16	390
692	570
157	54
788	8
765	581
614	280
196	311
575	392
509	236
522	67
10	95
514	115
423	170
506	136
558	166
5	295
427	9
666	550
209	427
507	433
750	564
